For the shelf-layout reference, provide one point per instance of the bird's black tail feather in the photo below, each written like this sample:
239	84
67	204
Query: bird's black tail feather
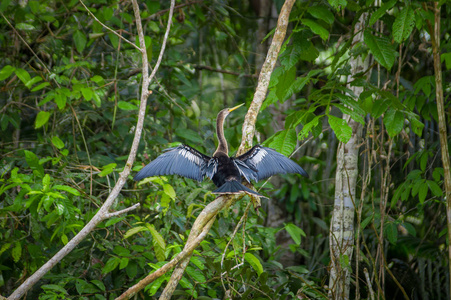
234	187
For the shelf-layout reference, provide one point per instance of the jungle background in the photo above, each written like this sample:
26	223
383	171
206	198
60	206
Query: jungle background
68	110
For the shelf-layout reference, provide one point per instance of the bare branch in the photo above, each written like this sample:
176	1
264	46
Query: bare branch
120	212
265	76
248	133
103	211
108	28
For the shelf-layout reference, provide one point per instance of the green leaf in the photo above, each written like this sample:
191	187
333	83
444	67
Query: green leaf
158	243
107	169
33	162
80	41
111	264
392	232
153	288
417	125
316	28
423	192
57	142
169	190
66	188
436	190
295	232
54	287
124	263
87	93
16	252
40	86
342	130
381	49
126	105
41	119
394	121
32	81
284	141
6	72
403	25
338	3
23	75
381	11
254	262
195	274
322	13
285	81
134	231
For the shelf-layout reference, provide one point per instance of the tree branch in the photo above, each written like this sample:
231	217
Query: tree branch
265	76
103	211
108	28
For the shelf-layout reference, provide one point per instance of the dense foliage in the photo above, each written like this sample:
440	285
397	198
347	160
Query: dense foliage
68	108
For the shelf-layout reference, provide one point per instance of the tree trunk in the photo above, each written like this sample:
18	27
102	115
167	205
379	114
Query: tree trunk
341	235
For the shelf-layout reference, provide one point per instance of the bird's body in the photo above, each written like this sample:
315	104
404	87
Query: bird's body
225	172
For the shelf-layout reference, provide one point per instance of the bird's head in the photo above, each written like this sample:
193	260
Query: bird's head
226	111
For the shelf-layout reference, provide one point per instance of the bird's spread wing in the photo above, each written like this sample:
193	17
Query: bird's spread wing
182	160
262	162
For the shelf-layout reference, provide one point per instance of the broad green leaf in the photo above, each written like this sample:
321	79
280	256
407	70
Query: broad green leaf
403	25
392	232
285	81
417	126
322	13
113	221
197	262
33	162
60	100
124	263
57	142
126	105
106	170
158	243
46	181
308	127
23	75
394	121
54	287
195	274
342	130
354	115
381	48
66	188
134	230
381	11
40	86
284	141
423	192
153	288
41	119
435	189
410	229
87	93
16	252
295	232
32	81
111	264
6	72
254	262
80	40
316	28
169	190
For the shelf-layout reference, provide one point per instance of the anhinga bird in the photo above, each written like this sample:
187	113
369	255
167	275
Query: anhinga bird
226	172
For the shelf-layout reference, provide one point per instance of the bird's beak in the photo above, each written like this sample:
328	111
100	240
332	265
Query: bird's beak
233	108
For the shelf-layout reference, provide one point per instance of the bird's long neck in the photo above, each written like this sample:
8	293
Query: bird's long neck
222	143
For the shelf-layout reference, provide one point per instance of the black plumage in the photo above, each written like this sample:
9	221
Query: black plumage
226	172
